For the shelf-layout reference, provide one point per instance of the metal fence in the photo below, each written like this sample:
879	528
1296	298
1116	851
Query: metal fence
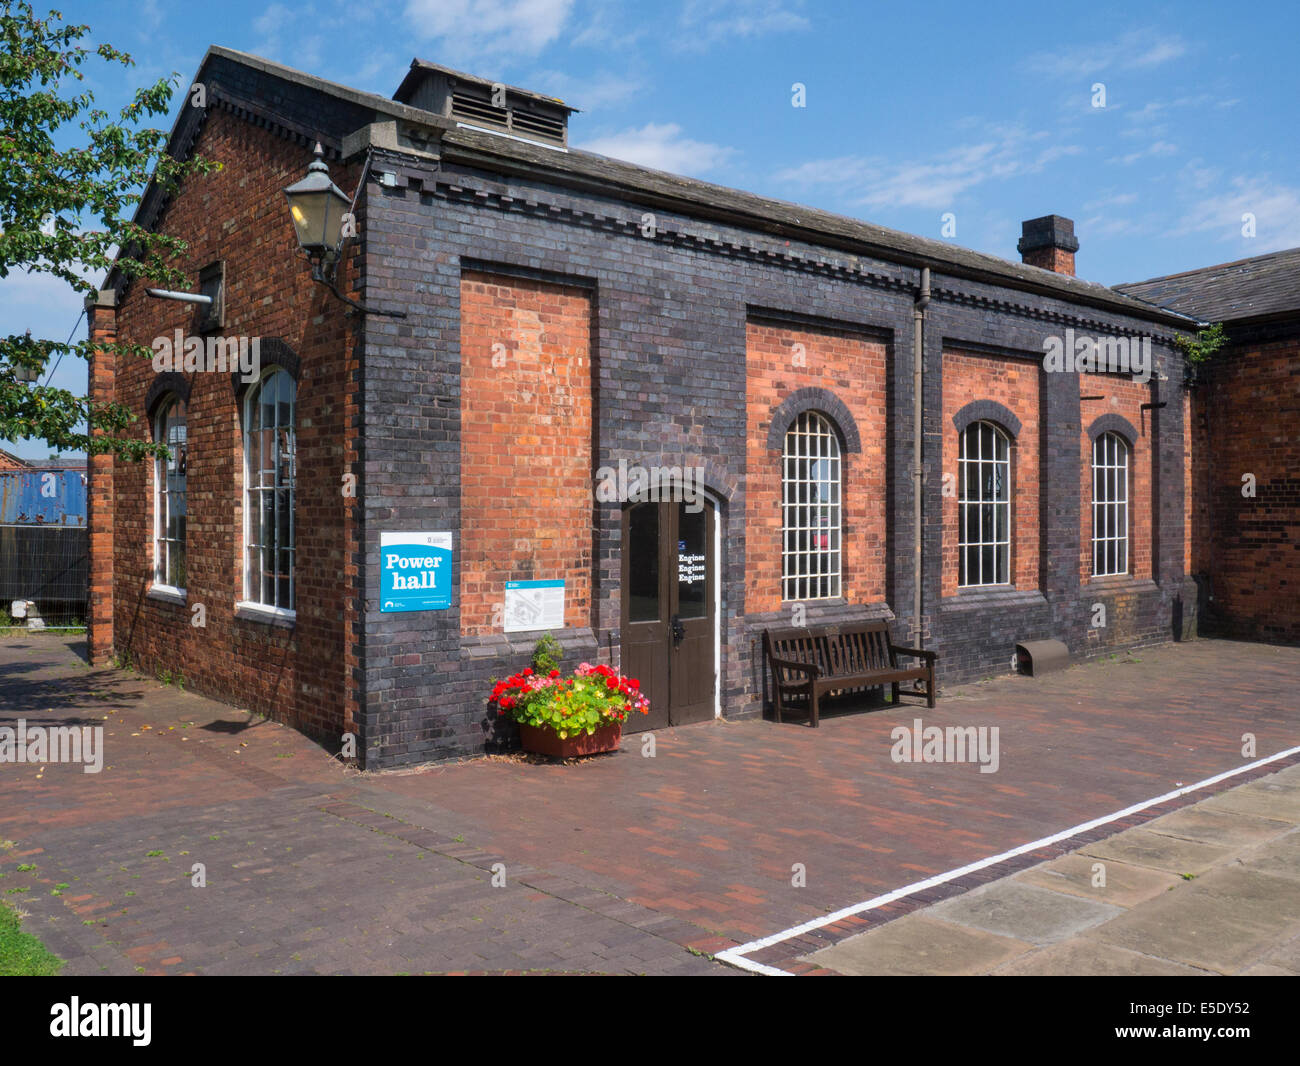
44	544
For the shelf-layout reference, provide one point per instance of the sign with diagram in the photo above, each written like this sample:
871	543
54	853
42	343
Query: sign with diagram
414	571
534	605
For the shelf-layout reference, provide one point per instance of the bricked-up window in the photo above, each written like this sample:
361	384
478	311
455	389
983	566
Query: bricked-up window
269	458
810	491
984	506
169	497
1109	505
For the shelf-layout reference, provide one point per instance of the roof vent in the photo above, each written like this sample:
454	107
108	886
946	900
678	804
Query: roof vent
484	104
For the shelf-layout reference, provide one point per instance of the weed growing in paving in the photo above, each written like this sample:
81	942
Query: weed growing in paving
21	954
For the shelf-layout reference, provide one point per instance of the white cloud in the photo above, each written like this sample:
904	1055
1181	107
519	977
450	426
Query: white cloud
1134	50
662	147
704	23
600	90
934	182
1276	208
1157	148
489	28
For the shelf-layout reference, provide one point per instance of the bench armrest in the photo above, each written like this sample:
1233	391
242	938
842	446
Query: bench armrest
920	653
812	669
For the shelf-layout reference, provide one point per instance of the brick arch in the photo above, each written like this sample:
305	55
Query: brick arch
717	479
1113	423
168	383
813	399
987	411
272	352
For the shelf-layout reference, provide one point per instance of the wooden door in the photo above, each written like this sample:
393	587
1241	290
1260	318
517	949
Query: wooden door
669	615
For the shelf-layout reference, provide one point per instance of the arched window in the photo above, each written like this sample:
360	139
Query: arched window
269	457
1109	505
810	496
984	506
169	497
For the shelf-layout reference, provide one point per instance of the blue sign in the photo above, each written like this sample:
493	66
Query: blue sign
414	571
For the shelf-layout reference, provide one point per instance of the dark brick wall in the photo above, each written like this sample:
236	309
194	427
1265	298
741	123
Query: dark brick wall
670	336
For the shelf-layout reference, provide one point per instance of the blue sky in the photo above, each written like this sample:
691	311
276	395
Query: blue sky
982	111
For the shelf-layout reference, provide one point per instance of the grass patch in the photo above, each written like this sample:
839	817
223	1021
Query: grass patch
21	954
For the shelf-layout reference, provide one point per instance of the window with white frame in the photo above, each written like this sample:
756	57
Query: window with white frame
269	456
1109	505
984	506
169	497
810	489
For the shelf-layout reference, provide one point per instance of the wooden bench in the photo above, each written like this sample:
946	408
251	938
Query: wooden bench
810	661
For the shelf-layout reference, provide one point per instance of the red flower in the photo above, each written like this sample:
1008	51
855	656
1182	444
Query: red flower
611	682
555	673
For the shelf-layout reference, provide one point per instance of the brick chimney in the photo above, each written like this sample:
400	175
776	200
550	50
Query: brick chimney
1049	242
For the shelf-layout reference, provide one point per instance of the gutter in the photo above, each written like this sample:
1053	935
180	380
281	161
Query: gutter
918	471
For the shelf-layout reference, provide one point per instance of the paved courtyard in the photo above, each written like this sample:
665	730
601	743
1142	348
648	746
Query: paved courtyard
730	833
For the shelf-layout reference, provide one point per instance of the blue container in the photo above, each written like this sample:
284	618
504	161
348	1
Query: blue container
43	498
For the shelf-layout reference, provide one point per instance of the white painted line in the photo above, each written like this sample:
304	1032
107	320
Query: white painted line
736	956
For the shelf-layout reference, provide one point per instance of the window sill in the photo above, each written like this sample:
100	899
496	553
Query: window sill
1119	583
981	597
260	612
167	594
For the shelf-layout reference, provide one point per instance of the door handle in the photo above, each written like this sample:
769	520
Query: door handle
679	630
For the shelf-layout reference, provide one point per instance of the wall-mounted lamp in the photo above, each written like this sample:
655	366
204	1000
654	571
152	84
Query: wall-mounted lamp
317	207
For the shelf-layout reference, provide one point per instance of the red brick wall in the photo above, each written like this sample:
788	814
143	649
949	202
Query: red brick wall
1250	424
100	494
296	675
527	498
852	367
1121	396
1054	259
1014	383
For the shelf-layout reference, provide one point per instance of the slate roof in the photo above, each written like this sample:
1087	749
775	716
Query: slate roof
574	167
1265	285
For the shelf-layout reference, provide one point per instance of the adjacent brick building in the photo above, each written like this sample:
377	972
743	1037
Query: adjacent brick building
568	315
1242	426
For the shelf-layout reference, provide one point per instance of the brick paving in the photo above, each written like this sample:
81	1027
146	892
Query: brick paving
622	863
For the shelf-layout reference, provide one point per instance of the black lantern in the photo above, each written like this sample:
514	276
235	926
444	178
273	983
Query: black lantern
317	207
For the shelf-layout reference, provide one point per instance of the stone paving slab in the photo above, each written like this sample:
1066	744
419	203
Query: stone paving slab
616	864
1238	914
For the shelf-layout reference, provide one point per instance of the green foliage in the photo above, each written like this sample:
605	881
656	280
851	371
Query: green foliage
547	654
66	212
1201	349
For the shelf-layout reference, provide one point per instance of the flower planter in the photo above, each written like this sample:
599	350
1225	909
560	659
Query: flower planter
548	742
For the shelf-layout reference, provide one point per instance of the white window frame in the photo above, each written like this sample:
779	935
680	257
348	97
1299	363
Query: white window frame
972	516
256	486
163	497
811	507
1110	505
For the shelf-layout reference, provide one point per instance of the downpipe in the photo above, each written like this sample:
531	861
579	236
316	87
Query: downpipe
918	471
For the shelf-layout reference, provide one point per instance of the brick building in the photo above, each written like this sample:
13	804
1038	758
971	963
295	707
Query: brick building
573	322
1243	432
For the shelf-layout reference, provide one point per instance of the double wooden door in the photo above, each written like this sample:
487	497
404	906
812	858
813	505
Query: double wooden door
669	597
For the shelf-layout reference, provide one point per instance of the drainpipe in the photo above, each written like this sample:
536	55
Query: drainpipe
918	472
